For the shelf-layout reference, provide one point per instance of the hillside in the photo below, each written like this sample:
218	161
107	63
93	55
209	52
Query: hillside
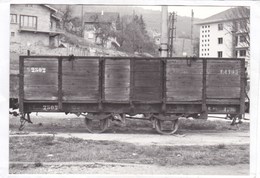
152	18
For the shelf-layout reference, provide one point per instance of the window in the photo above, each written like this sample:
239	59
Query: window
12	34
208	26
242	39
13	18
220	54
220	40
220	26
236	40
243	24
202	36
202	26
28	21
242	53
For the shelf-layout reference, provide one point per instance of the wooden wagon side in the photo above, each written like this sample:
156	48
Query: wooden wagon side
109	88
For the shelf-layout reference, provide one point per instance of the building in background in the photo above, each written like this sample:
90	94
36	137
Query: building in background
33	25
226	34
95	20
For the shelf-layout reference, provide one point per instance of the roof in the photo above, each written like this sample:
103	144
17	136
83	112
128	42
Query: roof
101	17
51	8
227	15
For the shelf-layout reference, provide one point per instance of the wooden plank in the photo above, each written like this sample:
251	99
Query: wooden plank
116	83
41	92
191	70
115	93
43	63
223	61
81	62
82	93
41	79
183	84
93	68
78	79
80	87
147	97
223	80
118	76
117	67
147	93
183	94
82	70
117	62
177	98
155	76
39	59
184	64
71	92
184	77
79	98
223	92
223	69
147	68
147	89
146	83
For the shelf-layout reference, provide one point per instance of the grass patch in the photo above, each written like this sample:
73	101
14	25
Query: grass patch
39	149
201	124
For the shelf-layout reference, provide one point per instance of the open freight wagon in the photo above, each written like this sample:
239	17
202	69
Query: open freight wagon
109	88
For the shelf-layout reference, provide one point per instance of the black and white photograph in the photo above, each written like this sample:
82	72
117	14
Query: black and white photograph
132	88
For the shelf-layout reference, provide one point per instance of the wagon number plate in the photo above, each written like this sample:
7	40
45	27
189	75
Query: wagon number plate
49	107
38	69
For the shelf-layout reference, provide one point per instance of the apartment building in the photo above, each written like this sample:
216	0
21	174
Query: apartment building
226	34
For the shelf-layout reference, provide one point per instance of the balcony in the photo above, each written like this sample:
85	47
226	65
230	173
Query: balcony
51	31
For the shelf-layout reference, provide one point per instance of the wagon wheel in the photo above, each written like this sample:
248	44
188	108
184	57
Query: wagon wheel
96	125
166	127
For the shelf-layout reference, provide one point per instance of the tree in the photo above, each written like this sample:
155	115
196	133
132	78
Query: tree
133	36
239	28
67	16
103	30
118	23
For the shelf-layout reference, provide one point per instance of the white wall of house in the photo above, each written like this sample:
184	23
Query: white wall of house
23	14
42	14
210	40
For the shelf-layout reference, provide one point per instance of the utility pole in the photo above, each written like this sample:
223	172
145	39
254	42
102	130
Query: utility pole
172	32
164	32
82	20
191	33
